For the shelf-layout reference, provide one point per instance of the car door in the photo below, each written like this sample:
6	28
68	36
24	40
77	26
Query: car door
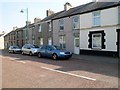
28	49
43	50
49	51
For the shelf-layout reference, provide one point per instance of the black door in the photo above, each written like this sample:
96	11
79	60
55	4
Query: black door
118	41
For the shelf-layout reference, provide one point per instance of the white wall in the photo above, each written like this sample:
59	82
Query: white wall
110	38
86	20
108	17
1	42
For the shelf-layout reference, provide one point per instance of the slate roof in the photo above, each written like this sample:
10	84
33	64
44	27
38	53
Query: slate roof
85	8
51	16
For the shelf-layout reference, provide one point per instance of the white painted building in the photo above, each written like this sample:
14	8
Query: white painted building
98	26
1	41
100	32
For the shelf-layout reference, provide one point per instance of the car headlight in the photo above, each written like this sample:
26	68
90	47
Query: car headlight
34	50
62	53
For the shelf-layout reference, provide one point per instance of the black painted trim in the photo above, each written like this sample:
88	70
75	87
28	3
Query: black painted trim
90	38
118	43
99	53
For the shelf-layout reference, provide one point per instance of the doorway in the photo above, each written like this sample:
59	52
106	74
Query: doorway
76	45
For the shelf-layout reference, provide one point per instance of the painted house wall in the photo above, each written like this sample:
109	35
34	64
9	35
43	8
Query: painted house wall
110	41
109	23
1	42
68	32
45	33
108	17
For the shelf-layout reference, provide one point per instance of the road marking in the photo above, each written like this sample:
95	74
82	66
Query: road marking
88	78
21	62
15	59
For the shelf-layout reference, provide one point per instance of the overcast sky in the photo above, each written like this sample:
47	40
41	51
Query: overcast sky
10	15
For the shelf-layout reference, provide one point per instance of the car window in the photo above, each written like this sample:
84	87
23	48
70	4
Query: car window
35	46
57	47
43	47
15	47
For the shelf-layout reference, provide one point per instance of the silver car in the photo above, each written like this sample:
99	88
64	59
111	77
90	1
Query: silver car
30	49
14	49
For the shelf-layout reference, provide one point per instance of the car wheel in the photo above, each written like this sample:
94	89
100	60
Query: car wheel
39	55
13	51
30	54
54	56
9	51
22	53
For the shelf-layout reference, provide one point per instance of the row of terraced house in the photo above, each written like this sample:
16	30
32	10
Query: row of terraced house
92	28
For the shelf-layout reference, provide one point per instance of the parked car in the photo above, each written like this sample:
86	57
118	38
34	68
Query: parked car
53	52
30	49
14	49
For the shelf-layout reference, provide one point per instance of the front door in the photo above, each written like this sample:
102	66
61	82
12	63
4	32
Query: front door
76	45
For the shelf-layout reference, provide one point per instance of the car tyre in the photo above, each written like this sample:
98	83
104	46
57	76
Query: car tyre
54	56
39	55
22	53
13	51
30	54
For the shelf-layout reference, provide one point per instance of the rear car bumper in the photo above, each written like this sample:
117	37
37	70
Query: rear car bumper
65	56
17	51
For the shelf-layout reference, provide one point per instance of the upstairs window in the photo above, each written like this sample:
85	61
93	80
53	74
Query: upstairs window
61	23
96	18
49	23
76	24
40	28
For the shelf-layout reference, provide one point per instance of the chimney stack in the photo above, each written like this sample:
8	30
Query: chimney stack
67	6
14	28
28	22
49	12
37	19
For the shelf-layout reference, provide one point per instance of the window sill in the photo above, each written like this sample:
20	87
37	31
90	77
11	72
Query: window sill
98	49
95	26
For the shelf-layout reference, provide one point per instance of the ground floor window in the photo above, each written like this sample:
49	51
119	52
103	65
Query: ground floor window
96	39
41	41
33	41
62	42
50	41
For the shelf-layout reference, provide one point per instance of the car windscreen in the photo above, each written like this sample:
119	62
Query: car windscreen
15	47
35	46
57	47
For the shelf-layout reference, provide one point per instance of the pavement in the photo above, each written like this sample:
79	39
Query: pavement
96	58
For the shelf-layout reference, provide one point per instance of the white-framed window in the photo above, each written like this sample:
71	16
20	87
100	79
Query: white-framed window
96	18
76	23
49	23
61	24
41	41
33	41
97	41
40	28
62	42
50	41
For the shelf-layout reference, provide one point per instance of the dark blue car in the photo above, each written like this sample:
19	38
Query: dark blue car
53	52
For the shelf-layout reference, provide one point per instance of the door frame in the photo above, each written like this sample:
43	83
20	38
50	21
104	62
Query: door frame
118	42
79	44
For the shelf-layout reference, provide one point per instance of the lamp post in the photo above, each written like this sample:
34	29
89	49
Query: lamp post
26	34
